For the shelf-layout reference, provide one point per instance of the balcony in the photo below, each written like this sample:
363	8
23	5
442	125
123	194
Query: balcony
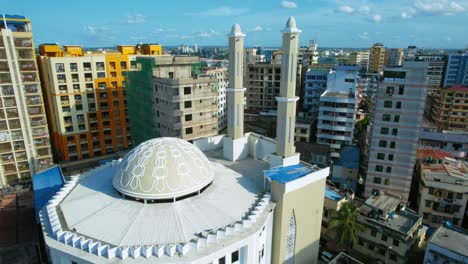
33	100
5	79
30	88
8	91
23	43
20	156
35	110
27	66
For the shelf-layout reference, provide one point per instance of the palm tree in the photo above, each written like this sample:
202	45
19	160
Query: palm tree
345	226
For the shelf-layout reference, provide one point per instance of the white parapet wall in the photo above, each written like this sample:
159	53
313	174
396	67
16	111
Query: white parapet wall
210	143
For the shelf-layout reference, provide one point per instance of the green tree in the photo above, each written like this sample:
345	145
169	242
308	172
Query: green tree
345	226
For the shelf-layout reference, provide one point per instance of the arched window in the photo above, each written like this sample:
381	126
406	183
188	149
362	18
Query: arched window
291	239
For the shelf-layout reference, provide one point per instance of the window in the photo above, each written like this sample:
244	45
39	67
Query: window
386	117
431	190
401	89
188	117
188	104
384	130
383	143
395	131
59	67
188	130
398	105
349	80
100	66
390	156
101	75
393	257
234	256
222	260
459	196
396	118
361	242
373	233
389	90
377	180
187	90
73	67
428	203
392	144
396	243
381	156
450	195
388	104
379	168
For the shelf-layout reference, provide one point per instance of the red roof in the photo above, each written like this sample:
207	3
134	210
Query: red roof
433	153
459	88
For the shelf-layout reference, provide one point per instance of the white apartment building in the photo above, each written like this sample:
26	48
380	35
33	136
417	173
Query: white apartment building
24	137
443	188
221	75
183	106
362	59
447	245
397	122
394	56
337	110
314	85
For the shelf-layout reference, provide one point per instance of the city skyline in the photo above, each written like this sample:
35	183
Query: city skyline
355	24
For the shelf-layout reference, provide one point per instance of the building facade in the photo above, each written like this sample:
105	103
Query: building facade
377	58
184	105
314	85
447	245
391	231
337	110
263	85
443	188
221	85
397	122
394	57
435	70
308	55
457	70
448	107
362	60
24	137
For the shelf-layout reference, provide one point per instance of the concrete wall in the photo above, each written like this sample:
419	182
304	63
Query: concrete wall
307	205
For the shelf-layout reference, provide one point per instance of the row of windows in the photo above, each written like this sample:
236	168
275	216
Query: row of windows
378	180
388	117
385	130
389	104
383	144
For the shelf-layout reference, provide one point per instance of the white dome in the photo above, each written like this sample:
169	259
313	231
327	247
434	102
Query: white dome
163	168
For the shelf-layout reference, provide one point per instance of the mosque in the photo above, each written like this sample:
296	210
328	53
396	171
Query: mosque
235	198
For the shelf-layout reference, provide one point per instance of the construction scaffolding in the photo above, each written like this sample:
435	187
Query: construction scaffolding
139	90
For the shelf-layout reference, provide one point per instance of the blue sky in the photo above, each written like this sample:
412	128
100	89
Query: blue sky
334	23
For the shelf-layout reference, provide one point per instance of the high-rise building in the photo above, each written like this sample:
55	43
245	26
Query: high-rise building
308	55
447	108
222	82
435	70
184	105
457	70
314	85
86	98
337	110
377	58
362	60
24	137
394	57
263	85
397	122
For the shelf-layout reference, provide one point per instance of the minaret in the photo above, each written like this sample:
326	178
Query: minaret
287	100
235	144
235	96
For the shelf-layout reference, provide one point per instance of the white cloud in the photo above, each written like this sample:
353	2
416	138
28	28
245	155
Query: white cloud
408	13
158	30
288	4
345	9
438	7
257	28
365	10
96	30
136	19
222	11
364	35
207	34
377	18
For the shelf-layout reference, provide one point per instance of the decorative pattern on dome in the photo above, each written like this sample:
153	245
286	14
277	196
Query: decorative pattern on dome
163	168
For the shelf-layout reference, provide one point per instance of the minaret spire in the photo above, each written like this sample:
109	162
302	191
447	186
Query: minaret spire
235	142
287	99
235	92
